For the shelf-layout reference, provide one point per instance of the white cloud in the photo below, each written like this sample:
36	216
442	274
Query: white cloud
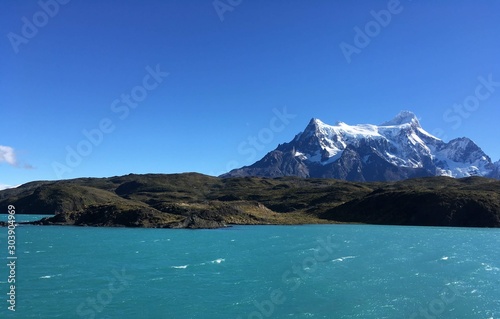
3	186
8	155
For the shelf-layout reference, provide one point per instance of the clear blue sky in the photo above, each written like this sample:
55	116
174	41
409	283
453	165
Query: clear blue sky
231	69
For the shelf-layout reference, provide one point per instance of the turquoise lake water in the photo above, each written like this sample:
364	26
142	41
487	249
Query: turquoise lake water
312	271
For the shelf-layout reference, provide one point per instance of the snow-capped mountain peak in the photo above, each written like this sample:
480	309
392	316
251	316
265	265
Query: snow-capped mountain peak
322	143
404	117
396	149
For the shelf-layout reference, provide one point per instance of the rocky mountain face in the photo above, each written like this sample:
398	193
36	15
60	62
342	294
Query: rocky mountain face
496	171
395	150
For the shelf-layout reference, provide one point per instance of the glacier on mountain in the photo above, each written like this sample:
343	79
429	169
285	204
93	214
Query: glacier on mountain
394	150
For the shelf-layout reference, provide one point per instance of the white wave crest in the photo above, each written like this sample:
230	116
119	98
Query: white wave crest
180	267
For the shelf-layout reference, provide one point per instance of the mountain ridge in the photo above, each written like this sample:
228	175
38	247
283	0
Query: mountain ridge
394	150
192	200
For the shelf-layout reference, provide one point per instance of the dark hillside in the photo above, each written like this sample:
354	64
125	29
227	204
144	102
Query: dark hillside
194	200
